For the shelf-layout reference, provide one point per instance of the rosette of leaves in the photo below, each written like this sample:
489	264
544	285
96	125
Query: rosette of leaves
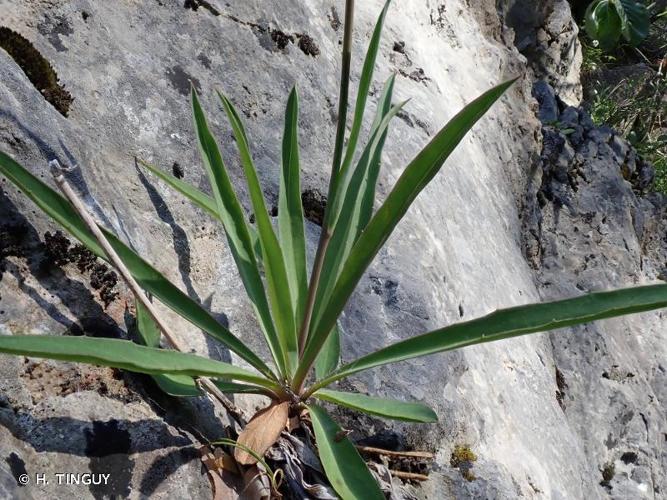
298	306
611	21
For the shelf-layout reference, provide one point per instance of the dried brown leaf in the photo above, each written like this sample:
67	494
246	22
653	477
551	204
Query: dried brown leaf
258	486
223	487
262	432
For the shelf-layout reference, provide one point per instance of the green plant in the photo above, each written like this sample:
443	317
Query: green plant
635	109
594	58
296	314
610	21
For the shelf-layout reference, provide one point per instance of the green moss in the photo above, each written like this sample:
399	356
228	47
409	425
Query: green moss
468	475
463	458
38	70
608	473
462	455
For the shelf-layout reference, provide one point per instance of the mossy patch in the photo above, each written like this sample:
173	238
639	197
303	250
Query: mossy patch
308	45
38	70
281	39
314	204
463	459
59	253
608	473
562	387
461	455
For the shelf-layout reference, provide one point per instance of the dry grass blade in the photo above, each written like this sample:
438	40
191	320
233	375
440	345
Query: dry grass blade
262	432
391	453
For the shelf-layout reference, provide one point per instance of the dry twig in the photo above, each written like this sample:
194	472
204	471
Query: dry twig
411	476
389	453
205	383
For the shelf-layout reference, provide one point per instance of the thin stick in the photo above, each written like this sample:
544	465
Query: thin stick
412	476
326	233
390	453
312	289
205	383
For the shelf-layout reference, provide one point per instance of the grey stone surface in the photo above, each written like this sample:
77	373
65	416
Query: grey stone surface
459	253
592	225
547	35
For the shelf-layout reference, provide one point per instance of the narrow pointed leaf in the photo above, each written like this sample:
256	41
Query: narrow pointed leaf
389	408
368	196
125	355
234	388
149	334
200	199
342	463
290	211
274	263
358	200
182	386
365	81
348	227
413	180
238	235
329	357
57	207
512	322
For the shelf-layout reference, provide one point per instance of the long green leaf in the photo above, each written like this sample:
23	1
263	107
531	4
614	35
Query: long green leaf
329	357
200	199
342	463
368	196
389	408
234	388
181	386
354	217
148	331
290	211
125	355
341	180
349	226
149	334
57	207
233	219
413	180
274	263
512	322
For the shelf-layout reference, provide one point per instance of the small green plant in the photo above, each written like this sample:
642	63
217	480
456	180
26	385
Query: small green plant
635	108
608	22
594	58
297	313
